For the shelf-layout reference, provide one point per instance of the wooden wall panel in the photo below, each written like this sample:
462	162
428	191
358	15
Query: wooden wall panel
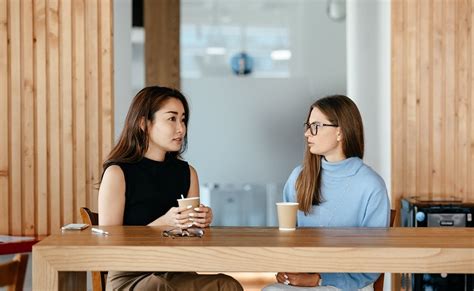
56	114
4	109
66	131
79	102
15	99
92	104
161	21
27	120
53	124
41	125
432	99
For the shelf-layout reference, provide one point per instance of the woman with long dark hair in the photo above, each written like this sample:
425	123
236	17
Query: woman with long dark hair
143	177
334	188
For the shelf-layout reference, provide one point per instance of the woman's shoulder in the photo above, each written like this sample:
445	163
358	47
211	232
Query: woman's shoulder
370	176
114	172
296	171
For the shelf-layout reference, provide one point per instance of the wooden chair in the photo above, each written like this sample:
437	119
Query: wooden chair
12	274
99	278
378	284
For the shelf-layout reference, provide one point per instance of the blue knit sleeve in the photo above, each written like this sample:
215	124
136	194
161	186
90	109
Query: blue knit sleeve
289	191
377	211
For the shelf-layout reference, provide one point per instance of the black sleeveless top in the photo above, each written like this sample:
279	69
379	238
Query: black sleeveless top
152	187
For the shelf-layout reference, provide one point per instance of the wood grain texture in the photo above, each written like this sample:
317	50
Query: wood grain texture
4	117
79	99
233	249
41	120
92	100
162	23
15	100
432	108
67	123
54	142
52	82
106	70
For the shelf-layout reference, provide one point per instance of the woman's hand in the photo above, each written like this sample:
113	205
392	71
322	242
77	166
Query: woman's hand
176	216
201	217
299	279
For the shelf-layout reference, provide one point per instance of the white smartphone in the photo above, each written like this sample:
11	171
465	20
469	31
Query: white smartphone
75	226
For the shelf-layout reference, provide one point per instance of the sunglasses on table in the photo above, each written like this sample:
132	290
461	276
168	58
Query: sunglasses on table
189	232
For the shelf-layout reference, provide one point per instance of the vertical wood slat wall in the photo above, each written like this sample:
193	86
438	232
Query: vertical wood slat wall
432	99
162	53
56	110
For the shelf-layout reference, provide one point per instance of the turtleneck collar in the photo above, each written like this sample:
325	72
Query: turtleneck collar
151	162
344	168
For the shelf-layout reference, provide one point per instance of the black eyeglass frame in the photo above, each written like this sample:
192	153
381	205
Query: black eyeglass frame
313	127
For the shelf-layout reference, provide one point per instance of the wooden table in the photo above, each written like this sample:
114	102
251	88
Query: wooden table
60	261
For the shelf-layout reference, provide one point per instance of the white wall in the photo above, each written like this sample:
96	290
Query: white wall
368	77
368	81
122	61
250	130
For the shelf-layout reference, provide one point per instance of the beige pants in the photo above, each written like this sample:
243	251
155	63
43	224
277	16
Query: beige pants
170	281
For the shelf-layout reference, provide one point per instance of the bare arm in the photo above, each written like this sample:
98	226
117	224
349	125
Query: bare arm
194	184
112	197
202	217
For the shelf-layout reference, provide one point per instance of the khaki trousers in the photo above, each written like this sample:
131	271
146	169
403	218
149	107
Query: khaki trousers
170	281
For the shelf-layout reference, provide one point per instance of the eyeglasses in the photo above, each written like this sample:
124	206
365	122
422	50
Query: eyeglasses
313	127
178	232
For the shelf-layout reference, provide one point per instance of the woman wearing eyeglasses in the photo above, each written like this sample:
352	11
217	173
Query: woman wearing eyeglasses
144	176
334	188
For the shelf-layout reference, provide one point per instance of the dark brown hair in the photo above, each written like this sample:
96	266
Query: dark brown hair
133	141
342	111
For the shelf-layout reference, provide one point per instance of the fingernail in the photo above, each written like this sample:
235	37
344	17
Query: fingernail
191	214
196	209
190	225
191	219
189	206
286	277
286	282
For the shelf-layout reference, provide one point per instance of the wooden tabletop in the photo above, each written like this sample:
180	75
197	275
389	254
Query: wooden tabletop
399	237
414	250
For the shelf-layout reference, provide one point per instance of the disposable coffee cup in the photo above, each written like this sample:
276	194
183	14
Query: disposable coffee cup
185	202
287	215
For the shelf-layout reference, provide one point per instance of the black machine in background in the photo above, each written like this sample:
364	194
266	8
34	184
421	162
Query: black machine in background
419	212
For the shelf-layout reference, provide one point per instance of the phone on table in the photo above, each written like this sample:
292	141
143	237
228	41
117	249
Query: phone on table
75	226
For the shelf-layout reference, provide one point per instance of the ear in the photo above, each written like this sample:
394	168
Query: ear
142	123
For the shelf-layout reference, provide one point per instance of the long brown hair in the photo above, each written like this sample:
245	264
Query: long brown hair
133	141
342	111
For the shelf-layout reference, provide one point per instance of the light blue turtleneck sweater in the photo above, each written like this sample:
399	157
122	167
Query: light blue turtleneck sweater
353	195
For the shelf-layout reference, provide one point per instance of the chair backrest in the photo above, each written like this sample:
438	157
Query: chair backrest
99	278
378	284
12	274
89	217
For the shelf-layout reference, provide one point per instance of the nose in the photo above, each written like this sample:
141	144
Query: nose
181	127
307	133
